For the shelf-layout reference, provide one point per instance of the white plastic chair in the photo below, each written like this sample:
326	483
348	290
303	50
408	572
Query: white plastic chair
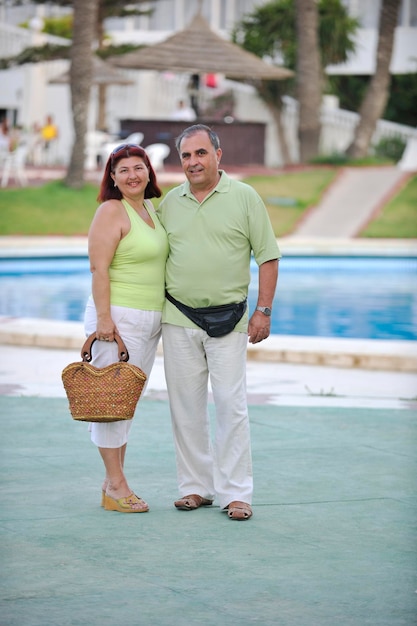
134	138
14	166
108	147
157	153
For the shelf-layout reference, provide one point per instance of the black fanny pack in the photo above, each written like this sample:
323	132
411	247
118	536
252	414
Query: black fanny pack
215	320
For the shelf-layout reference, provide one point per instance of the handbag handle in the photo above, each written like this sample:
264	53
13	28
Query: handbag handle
86	349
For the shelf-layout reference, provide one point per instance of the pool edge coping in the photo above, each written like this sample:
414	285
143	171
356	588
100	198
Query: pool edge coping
370	354
13	246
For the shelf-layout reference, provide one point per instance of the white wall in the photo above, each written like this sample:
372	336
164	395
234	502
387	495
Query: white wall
363	61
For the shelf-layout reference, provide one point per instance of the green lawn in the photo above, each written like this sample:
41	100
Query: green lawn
399	217
289	194
53	209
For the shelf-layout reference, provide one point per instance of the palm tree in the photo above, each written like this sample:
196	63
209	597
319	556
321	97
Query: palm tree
308	35
106	9
376	96
309	78
81	71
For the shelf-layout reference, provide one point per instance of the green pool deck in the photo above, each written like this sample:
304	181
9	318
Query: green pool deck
332	540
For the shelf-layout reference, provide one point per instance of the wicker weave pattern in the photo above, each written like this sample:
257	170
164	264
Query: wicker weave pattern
107	394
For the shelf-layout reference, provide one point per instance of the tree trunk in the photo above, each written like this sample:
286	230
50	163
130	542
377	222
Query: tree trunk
376	96
102	89
273	101
309	78
283	143
81	72
101	113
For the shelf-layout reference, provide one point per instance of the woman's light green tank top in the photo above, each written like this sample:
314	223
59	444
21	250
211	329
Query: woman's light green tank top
137	271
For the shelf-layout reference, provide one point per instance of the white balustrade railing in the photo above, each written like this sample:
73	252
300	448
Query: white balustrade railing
338	127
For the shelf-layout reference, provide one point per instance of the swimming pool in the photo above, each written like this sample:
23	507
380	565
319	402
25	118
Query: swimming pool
356	297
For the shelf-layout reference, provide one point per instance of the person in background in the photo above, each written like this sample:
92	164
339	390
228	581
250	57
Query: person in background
127	247
5	143
183	112
213	224
35	144
49	134
17	137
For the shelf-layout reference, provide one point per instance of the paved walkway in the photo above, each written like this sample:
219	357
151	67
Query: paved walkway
350	202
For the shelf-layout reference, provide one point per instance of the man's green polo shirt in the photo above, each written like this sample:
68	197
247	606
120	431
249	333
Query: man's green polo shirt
211	244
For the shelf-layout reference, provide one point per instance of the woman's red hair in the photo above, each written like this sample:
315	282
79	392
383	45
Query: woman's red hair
107	189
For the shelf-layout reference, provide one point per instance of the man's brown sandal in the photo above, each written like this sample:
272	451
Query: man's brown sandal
189	503
239	511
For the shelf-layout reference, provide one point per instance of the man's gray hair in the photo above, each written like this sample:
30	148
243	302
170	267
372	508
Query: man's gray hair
198	128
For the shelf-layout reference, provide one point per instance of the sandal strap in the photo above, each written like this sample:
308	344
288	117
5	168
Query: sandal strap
193	501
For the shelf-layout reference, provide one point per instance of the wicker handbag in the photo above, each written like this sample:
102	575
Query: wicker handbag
108	394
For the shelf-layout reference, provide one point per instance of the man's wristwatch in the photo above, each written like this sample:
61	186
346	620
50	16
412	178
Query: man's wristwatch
265	310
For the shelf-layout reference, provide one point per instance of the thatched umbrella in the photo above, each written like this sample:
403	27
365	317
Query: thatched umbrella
103	74
198	50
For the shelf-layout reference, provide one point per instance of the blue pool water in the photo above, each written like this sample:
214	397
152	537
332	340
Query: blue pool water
357	297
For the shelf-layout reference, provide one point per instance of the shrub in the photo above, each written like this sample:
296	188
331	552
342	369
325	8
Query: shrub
390	148
330	159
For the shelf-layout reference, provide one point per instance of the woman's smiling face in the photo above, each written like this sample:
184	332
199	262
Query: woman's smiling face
131	175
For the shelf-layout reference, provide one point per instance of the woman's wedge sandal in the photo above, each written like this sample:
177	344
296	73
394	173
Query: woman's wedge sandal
129	504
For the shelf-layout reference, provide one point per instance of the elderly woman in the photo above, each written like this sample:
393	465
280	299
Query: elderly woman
127	248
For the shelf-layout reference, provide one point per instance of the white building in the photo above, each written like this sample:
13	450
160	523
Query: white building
27	96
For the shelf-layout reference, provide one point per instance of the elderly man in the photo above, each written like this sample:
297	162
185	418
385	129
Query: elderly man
213	225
